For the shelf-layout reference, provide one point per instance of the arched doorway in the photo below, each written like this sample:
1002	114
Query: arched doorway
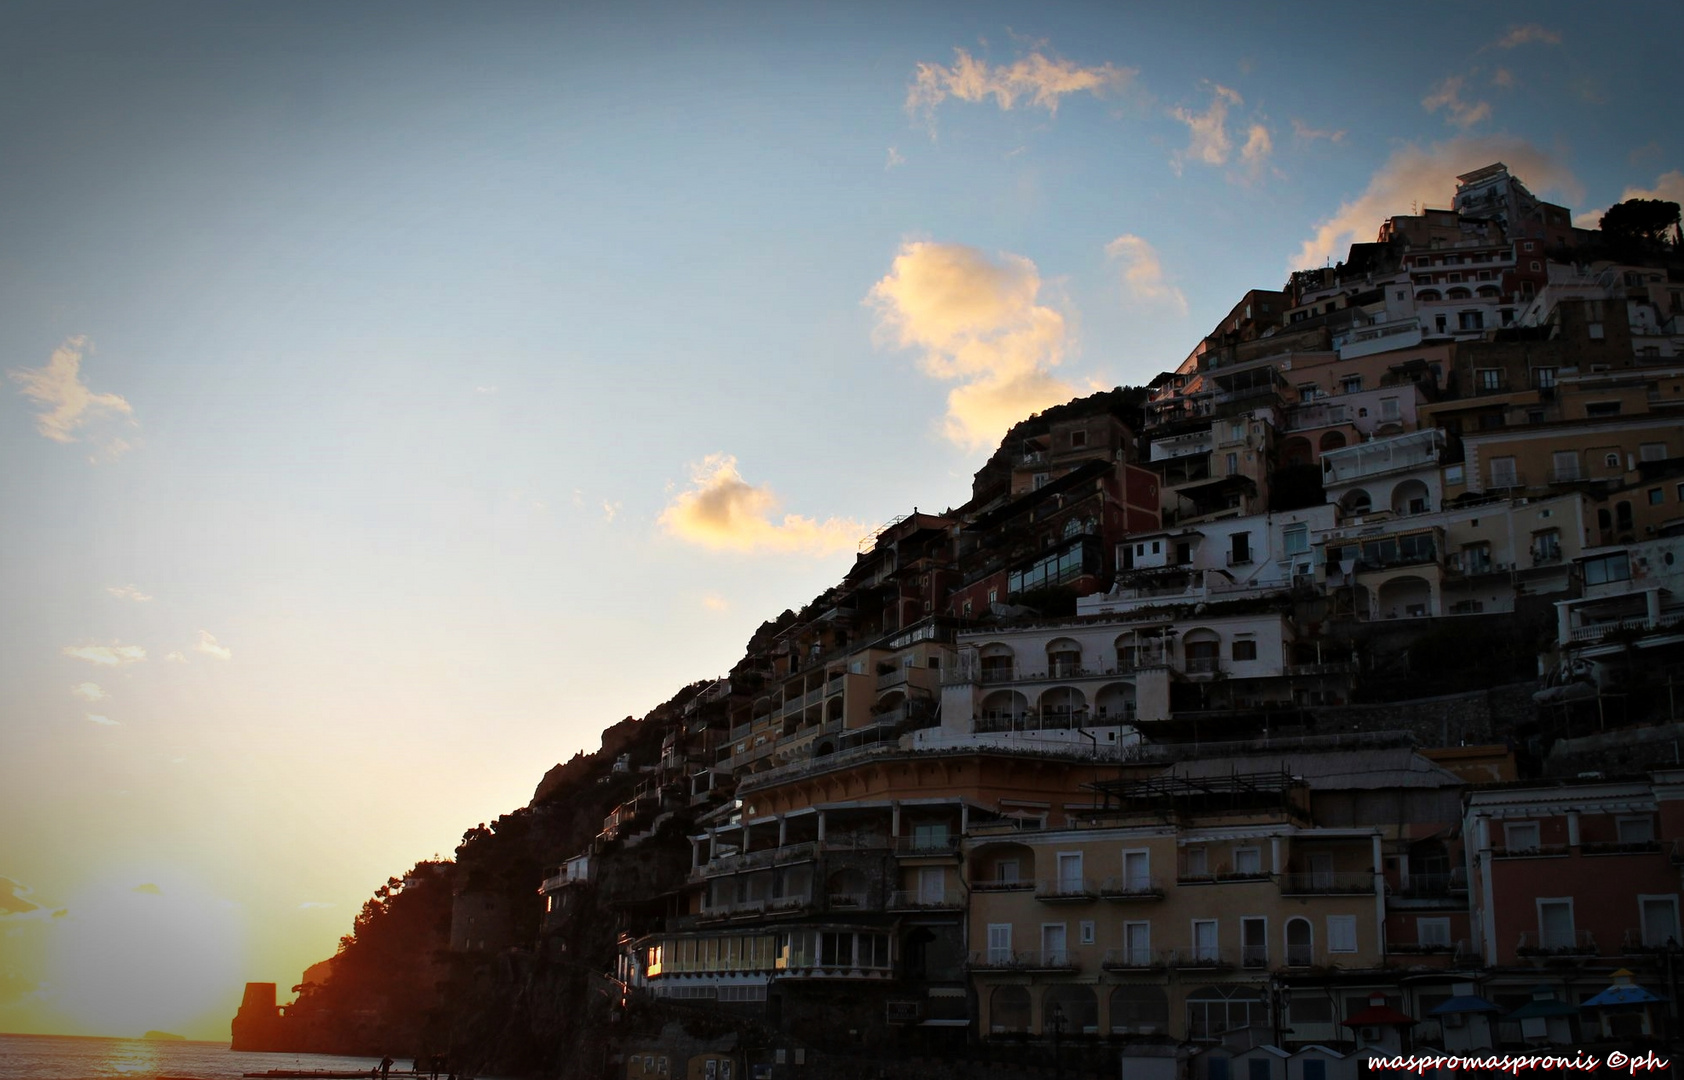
1008	1010
1076	1004
1139	1010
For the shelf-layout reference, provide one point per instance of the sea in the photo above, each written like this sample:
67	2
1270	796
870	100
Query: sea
67	1057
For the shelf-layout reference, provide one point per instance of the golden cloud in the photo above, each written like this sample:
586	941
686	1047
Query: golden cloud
128	592
979	323
1037	79
1447	95
1426	177
114	655
1208	140
1143	273
208	645
88	691
724	512
1529	34
66	403
1669	187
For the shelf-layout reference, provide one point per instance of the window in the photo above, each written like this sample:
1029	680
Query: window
1078	439
932	886
1311	1009
1660	920
1005	872
1085	931
1239	551
1635	830
1197	865
1254	942
1296	539
1454	474
999	944
1555	923
1137	944
1476	558
1350	384
1204	941
1543	378
1546	546
1657	496
1520	836
1070	872
1341	933
1602	408
1389	409
1470	320
1300	946
1248	860
1432	932
1053	951
1565	466
1503	473
1137	871
1245	650
1233	463
1652	451
1615	567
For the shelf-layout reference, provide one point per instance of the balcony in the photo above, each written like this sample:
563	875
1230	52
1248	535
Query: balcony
1434	886
1254	956
926	845
1300	955
1135	959
1208	957
1580	943
1636	942
1001	886
1066	890
1027	960
1611	847
1328	883
914	900
1203	665
1131	888
1536	851
848	901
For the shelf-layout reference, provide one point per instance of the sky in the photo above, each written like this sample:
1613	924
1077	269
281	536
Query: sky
392	396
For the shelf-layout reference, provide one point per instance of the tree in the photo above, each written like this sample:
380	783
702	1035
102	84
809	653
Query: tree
1644	221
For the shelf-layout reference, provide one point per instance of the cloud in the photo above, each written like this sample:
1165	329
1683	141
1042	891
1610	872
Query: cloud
310	905
1258	146
1143	274
113	655
176	657
128	592
715	602
1037	80
1309	134
485	389
88	691
895	160
210	647
149	889
724	512
1427	176
1669	187
1447	95
12	901
1208	140
1528	34
66	403
1503	78
96	718
610	510
978	323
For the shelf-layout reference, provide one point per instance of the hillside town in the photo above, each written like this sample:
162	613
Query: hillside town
1316	701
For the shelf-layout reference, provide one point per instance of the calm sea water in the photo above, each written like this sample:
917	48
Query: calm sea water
60	1057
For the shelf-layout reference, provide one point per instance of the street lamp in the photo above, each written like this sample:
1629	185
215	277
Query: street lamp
1057	1022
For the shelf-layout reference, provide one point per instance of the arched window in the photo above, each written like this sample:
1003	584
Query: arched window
1008	1009
1064	658
1076	1004
1139	1010
1356	501
1212	1010
1300	943
1332	440
1428	295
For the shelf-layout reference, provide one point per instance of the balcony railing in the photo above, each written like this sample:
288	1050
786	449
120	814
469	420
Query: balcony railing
1066	889
1131	888
996	885
1199	956
847	901
1614	847
1327	882
916	900
1300	955
1131	959
1535	851
1636	941
1433	886
1026	960
1580	943
926	845
1254	956
1203	665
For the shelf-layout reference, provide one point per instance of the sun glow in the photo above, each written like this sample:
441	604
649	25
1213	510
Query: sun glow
148	953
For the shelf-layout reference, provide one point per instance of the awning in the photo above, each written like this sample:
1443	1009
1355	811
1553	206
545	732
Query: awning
1542	1008
1620	995
1379	1016
1463	1003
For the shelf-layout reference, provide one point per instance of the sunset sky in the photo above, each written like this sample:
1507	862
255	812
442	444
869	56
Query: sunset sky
393	396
